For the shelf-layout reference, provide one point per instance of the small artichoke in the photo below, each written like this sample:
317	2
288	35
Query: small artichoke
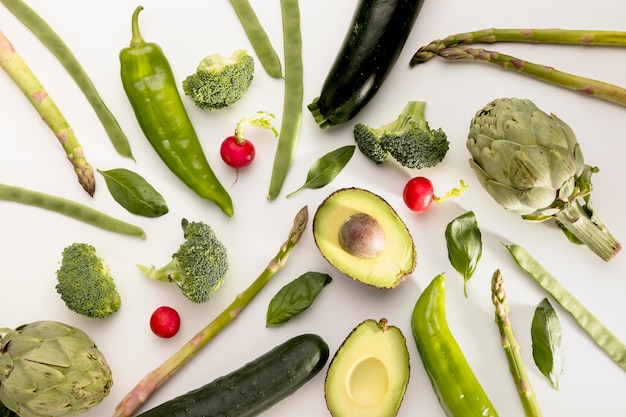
531	163
48	368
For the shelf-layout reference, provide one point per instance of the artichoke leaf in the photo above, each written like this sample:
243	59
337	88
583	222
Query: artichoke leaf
43	376
20	385
51	353
22	345
52	403
517	201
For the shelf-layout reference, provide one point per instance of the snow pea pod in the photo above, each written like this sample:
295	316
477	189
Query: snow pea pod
458	390
153	93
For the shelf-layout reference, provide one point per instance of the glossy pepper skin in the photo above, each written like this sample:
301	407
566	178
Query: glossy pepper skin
458	390
153	93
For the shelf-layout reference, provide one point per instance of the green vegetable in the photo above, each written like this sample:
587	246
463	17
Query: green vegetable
69	208
546	335
32	88
369	373
598	332
449	48
256	386
465	247
134	193
85	284
220	81
458	390
61	51
198	267
372	45
149	83
511	347
151	382
48	368
258	38
326	168
5	412
293	96
295	297
408	139
531	163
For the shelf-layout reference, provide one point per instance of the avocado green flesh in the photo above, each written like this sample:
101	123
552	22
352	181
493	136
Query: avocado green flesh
393	263
369	374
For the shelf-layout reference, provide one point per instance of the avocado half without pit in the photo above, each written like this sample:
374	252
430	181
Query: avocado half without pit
369	373
363	237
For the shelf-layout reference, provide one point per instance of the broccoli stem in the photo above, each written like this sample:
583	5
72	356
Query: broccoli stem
595	88
151	382
28	83
493	35
511	347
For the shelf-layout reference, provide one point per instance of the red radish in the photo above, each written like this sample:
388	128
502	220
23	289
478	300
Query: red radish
237	151
419	194
165	322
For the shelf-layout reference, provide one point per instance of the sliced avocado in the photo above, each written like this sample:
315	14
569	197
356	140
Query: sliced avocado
369	373
362	236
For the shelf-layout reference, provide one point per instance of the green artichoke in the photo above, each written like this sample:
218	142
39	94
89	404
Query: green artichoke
531	163
48	368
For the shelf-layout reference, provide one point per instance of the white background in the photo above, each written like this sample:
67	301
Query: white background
32	239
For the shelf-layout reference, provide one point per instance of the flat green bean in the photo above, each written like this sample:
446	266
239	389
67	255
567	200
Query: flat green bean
598	332
293	96
258	38
68	208
40	28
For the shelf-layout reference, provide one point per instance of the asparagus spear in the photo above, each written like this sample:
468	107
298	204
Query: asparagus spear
40	28
26	80
511	347
595	88
151	382
492	35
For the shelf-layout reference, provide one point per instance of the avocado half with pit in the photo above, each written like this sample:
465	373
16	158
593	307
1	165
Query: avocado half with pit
369	373
362	236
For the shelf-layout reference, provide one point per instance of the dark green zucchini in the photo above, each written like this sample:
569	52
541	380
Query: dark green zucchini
377	34
254	387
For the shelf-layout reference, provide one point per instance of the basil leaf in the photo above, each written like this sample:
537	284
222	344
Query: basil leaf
465	247
546	342
295	297
326	168
134	193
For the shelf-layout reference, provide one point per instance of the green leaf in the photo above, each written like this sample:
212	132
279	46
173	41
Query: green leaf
295	297
465	247
326	168
134	193
546	342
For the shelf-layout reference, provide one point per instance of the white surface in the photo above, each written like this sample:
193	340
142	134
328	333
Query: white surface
32	239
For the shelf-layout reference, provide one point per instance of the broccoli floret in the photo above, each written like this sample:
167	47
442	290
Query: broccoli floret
220	81
85	284
199	265
408	139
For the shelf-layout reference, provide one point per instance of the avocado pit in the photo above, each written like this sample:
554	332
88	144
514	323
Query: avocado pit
361	235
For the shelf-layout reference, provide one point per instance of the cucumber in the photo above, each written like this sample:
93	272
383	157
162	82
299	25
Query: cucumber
254	387
377	34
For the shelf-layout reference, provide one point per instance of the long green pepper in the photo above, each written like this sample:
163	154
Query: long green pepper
153	93
458	390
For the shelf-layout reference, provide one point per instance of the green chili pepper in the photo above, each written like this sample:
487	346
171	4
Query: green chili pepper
458	390
153	93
